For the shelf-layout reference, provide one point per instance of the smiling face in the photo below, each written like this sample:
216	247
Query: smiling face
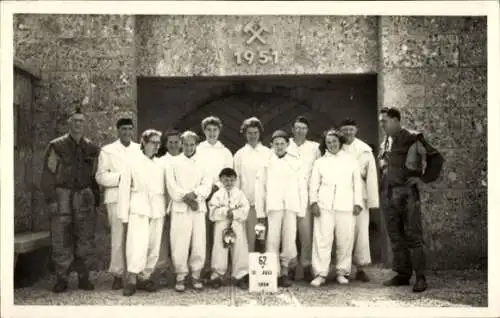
76	124
252	135
125	133
349	132
279	145
174	145
300	130
212	133
189	146
151	146
332	143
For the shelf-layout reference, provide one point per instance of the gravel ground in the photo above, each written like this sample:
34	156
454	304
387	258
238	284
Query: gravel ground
447	289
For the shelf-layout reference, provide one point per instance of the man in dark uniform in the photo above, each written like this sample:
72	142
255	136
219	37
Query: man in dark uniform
72	193
406	163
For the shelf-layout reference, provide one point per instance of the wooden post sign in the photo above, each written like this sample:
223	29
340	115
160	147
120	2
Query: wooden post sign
255	33
263	275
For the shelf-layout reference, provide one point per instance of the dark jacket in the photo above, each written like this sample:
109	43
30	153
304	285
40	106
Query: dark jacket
69	165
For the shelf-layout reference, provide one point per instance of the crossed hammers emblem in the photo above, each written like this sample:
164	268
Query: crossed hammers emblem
256	34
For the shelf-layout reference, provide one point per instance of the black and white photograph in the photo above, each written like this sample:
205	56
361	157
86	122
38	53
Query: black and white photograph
249	158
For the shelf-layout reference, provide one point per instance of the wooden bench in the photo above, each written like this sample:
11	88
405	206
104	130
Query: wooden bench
30	241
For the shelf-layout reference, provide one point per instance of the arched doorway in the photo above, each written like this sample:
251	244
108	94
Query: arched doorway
276	100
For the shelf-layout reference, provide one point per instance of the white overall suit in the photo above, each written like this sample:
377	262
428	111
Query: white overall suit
141	203
187	227
112	161
221	201
281	195
370	187
336	187
308	153
247	162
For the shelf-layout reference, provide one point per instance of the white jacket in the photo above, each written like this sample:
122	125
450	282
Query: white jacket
215	158
185	175
167	160
336	182
368	171
281	185
308	153
223	200
112	161
247	162
142	188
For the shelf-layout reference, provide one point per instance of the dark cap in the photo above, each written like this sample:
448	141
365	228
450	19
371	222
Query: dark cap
348	122
279	134
124	122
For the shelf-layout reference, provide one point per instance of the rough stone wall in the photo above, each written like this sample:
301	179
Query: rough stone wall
23	152
434	70
87	61
204	45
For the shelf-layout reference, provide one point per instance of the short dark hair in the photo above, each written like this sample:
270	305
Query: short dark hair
330	132
124	121
251	122
228	172
279	134
391	113
164	139
301	119
348	122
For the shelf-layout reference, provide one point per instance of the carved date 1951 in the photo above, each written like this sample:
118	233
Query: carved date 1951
251	57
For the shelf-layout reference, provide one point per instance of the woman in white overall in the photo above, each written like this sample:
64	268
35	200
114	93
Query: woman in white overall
335	193
247	162
141	204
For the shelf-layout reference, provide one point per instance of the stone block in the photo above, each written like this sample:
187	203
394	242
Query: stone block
71	25
473	86
473	49
33	28
68	91
113	90
106	25
421	25
41	55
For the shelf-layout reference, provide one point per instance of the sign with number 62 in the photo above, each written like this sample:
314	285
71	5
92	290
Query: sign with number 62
251	57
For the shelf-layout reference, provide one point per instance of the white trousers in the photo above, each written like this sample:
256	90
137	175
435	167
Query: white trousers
282	231
188	231
250	222
239	251
330	225
143	244
305	230
116	264
361	249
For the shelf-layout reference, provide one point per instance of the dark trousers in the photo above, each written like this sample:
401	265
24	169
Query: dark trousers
72	227
404	223
210	242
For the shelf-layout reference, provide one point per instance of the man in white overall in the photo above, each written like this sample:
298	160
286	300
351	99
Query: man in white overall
110	167
307	151
368	169
281	196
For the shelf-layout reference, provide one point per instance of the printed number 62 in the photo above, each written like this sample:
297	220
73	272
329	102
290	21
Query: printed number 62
262	260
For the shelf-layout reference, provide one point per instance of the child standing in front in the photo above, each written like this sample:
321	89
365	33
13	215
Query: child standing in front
228	209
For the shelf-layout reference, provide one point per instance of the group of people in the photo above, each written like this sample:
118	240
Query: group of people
172	199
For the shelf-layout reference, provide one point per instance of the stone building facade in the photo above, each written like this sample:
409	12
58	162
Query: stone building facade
432	68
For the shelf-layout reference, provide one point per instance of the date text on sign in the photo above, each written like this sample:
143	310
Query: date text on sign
263	270
253	57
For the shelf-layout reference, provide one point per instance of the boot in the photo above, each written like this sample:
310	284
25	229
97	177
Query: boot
84	282
60	286
361	276
117	283
308	275
284	281
243	282
147	285
398	280
129	289
420	284
291	274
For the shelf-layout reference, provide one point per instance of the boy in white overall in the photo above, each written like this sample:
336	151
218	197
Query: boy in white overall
188	186
281	195
229	208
